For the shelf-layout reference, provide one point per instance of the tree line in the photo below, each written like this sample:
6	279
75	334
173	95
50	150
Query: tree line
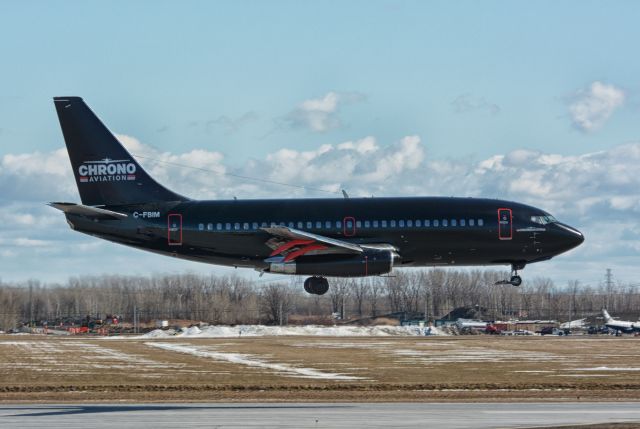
430	293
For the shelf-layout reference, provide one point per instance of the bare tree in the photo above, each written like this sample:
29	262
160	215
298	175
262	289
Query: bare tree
275	303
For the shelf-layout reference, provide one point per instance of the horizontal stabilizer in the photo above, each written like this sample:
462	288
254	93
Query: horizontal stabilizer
88	211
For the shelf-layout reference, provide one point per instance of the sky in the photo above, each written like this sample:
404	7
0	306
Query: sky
534	102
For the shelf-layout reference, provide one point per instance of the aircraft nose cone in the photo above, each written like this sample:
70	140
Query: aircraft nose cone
571	237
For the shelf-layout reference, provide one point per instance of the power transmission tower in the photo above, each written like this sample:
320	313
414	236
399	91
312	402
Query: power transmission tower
609	282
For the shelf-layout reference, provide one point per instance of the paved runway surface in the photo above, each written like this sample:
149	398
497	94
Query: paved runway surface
316	415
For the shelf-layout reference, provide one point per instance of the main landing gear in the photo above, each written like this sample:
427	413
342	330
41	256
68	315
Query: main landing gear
515	280
316	285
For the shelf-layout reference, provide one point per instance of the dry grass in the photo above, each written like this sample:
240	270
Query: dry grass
382	369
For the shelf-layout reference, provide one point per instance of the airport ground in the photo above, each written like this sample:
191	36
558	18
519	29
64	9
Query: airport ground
318	369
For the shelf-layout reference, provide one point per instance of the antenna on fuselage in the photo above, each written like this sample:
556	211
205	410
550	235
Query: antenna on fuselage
344	194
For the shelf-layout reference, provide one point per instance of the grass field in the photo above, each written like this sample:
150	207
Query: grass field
478	368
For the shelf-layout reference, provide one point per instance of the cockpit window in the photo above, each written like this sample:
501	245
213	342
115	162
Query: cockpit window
543	220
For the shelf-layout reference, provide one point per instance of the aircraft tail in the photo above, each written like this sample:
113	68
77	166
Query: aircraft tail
605	314
106	174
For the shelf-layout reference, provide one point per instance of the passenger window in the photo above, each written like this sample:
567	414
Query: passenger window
209	227
384	223
318	224
454	222
445	222
255	225
392	223
227	226
201	226
358	224
375	223
480	222
300	225
245	226
427	223
367	224
436	222
264	224
236	226
327	224
463	222
409	223
349	224
219	226
418	223
401	224
309	225
472	222
338	224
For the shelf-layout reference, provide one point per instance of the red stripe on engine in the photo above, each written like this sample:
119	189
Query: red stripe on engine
304	250
289	245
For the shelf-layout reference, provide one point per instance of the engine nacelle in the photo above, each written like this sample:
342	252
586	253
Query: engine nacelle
368	263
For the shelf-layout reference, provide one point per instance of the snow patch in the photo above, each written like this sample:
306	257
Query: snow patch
249	360
607	368
311	330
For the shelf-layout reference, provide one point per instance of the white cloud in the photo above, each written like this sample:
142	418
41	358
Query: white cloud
590	108
582	190
321	114
232	125
465	103
36	176
204	177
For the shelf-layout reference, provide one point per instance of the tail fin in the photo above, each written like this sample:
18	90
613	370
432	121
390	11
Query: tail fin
105	173
606	316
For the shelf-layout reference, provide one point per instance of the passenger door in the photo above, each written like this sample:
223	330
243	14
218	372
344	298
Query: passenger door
505	224
174	229
349	226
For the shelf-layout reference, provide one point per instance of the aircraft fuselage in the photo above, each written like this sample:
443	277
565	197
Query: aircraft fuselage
424	231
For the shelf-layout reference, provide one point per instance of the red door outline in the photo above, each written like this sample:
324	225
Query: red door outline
505	224
174	230
349	232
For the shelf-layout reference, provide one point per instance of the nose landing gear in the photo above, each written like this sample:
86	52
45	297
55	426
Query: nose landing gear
515	280
316	285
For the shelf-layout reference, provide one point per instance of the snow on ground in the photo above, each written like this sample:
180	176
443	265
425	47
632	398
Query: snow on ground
249	360
574	324
79	357
465	353
607	368
43	355
311	330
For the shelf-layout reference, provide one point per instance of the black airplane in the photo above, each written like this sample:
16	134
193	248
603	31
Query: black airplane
340	237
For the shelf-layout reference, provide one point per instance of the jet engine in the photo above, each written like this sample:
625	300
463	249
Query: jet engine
368	263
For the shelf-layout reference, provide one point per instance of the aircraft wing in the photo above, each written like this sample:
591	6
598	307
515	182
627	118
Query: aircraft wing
290	243
88	211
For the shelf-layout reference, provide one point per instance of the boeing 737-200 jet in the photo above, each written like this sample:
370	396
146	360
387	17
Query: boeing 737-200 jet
340	237
620	325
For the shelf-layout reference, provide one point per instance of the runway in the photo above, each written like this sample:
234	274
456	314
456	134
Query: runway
317	415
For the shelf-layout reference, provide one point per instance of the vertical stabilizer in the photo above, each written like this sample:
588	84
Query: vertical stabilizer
105	173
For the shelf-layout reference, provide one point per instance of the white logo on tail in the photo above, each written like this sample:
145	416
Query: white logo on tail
107	170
